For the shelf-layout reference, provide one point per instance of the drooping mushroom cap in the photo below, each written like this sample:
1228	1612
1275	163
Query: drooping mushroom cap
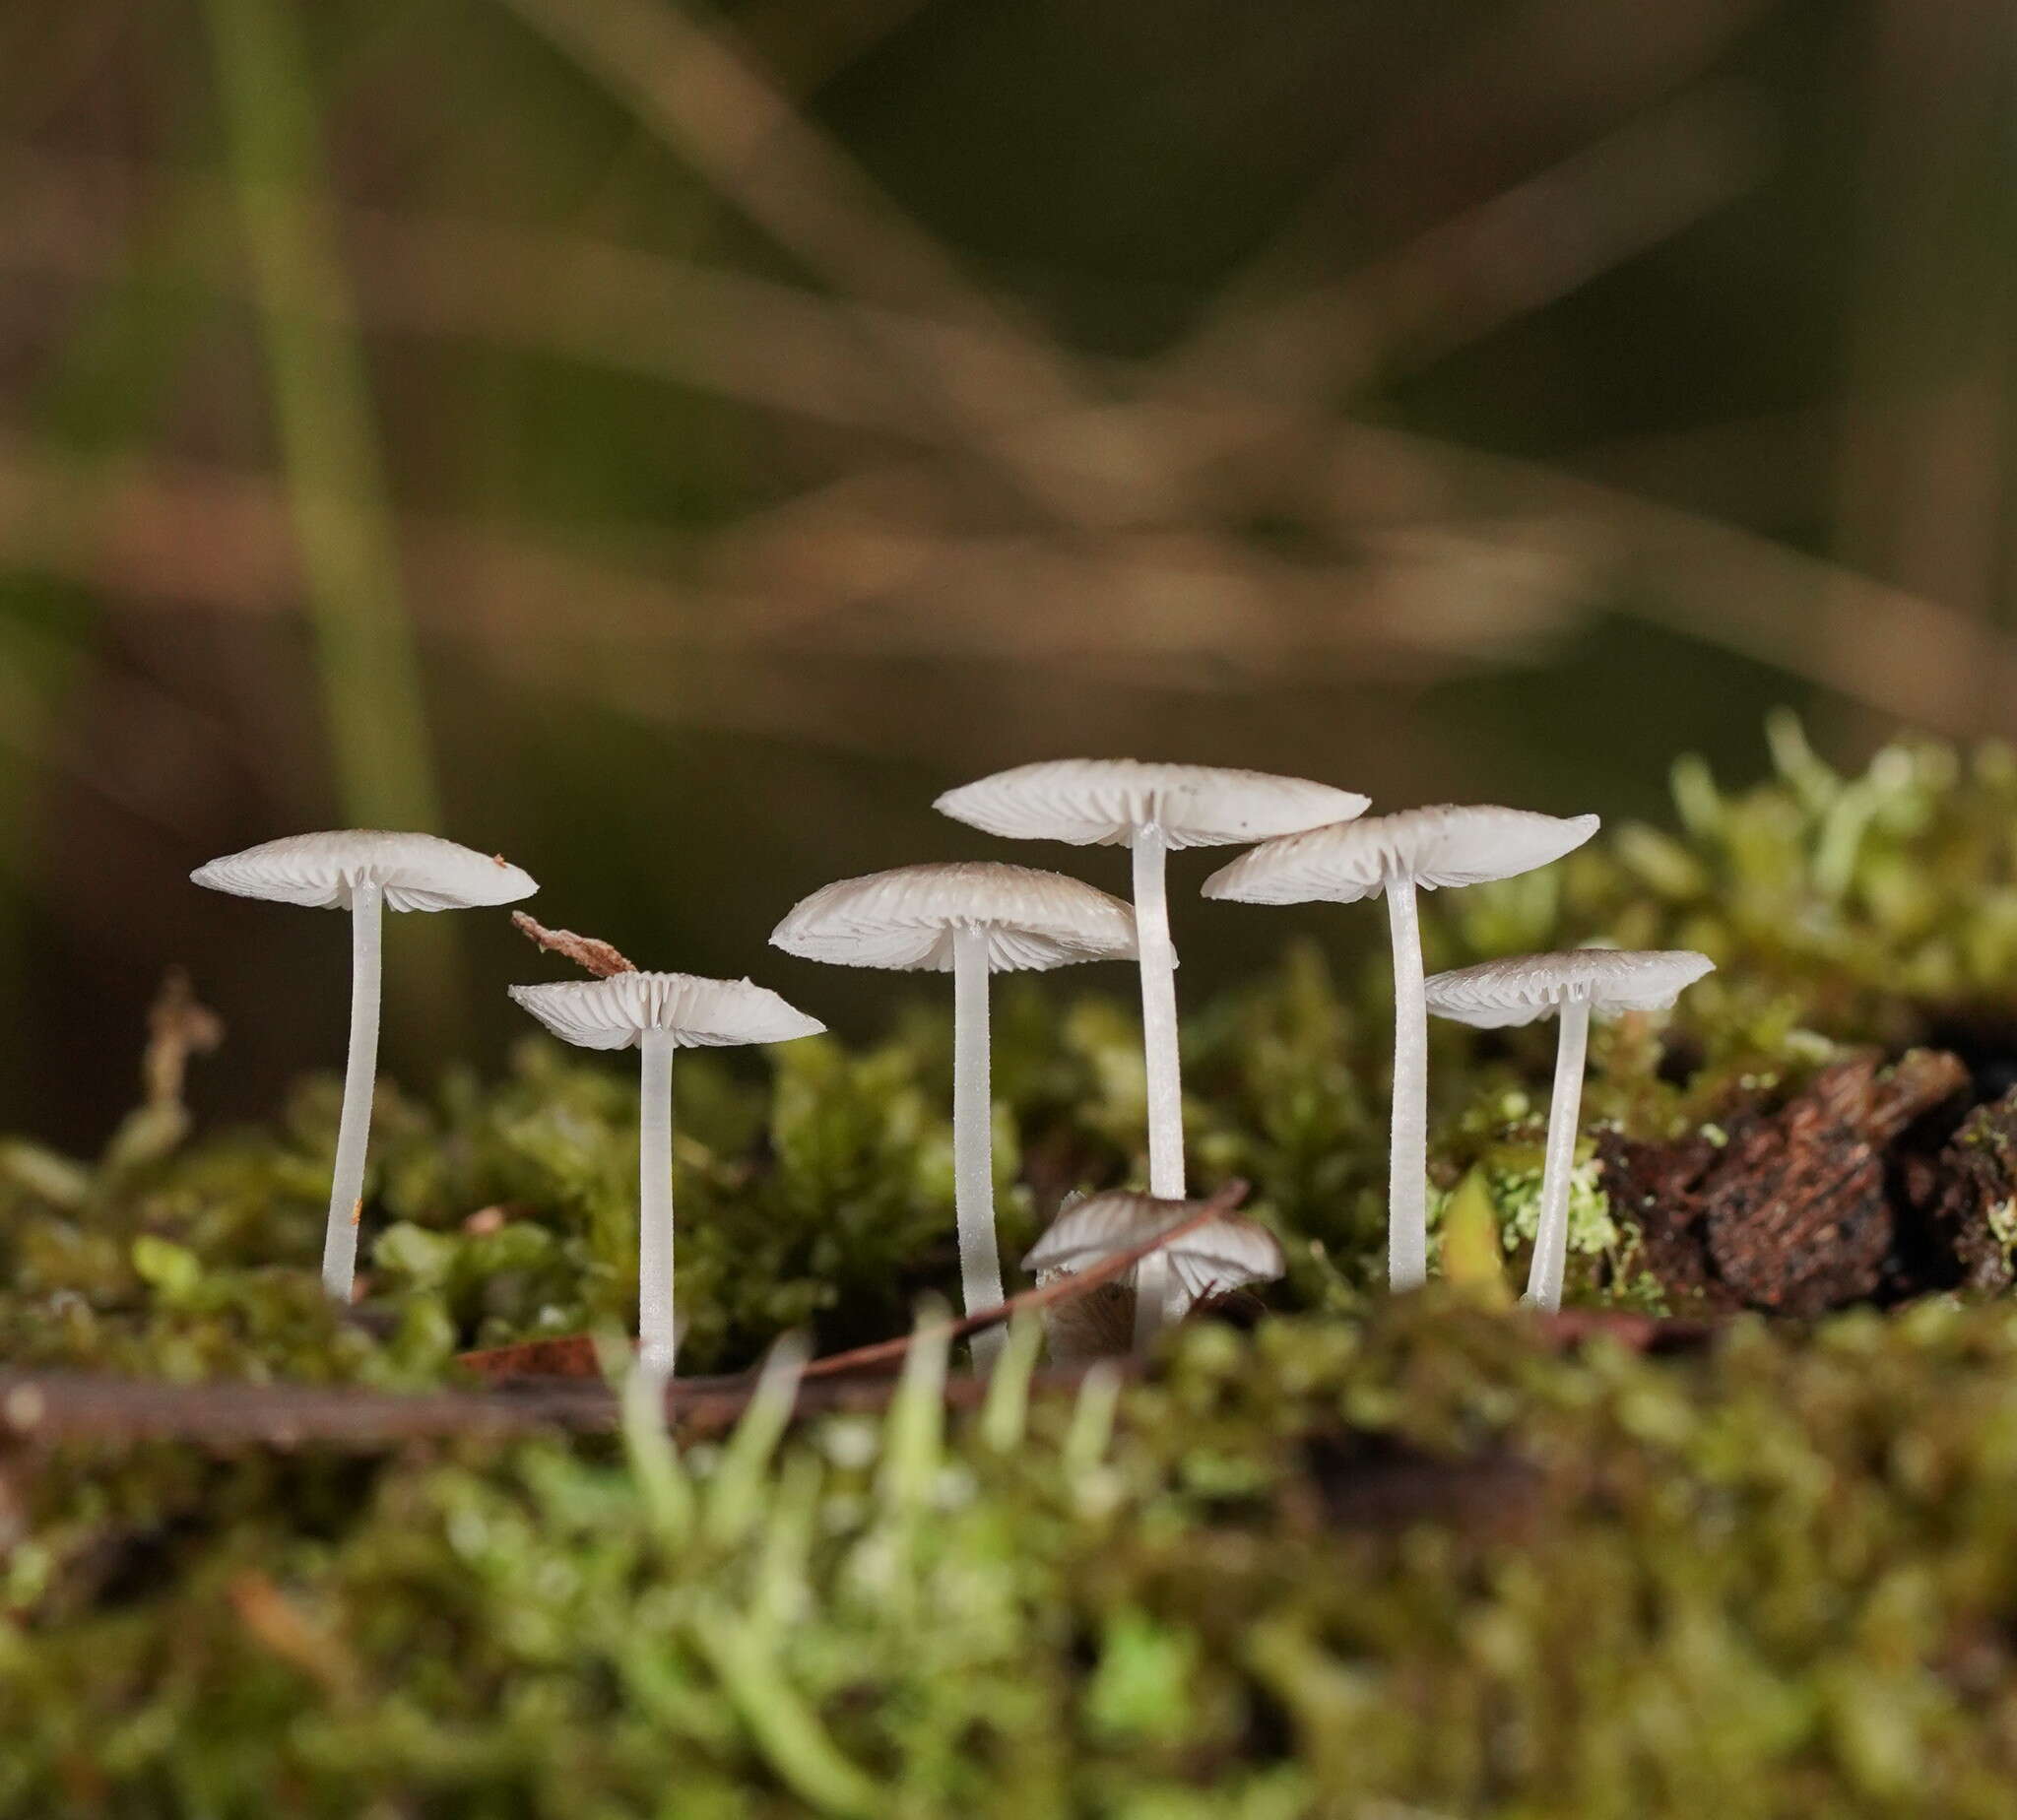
418	871
1431	847
1498	993
1221	1254
699	1013
905	919
1099	802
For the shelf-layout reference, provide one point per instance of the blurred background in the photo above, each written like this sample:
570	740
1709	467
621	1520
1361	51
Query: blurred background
667	444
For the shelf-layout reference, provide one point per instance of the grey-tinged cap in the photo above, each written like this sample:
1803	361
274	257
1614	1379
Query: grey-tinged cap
698	1013
1100	801
1221	1254
1429	847
416	872
905	919
1498	993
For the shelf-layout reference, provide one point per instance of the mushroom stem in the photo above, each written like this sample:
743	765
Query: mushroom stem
1152	1298
1551	1239
1160	1064
1158	961
973	1162
1407	1151
354	1132
658	1334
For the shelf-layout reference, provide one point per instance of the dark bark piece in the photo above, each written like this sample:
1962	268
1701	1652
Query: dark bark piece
1974	1185
1659	1188
1795	1212
563	1355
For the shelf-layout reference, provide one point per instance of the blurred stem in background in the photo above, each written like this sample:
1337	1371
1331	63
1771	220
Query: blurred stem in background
372	702
104	395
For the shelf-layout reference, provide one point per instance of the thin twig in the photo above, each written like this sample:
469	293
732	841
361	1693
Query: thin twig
46	1408
888	1354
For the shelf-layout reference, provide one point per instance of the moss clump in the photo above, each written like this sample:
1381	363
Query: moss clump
1411	1558
1368	1559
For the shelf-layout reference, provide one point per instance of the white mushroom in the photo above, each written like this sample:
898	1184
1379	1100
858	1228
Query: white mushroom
657	1013
364	870
1417	849
1221	1254
969	919
1149	808
1605	981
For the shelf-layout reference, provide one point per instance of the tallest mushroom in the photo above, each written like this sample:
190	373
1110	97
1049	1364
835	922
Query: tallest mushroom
1416	850
366	871
1150	808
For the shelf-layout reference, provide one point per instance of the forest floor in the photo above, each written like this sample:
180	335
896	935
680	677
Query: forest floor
1738	1528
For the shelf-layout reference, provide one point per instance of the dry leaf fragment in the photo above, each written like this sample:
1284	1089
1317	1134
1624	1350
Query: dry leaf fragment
587	953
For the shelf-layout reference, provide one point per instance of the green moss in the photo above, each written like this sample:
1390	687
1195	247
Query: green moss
1370	1559
1780	1574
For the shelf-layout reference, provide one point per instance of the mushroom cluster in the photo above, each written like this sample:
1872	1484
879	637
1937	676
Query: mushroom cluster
1307	842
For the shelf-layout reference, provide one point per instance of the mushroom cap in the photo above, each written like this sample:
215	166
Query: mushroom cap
699	1013
1498	993
905	919
1099	802
1223	1254
1443	846
416	872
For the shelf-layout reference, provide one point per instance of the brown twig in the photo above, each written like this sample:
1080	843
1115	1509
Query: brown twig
44	1408
889	1354
49	1407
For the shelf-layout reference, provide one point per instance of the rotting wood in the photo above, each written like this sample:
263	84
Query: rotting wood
1804	1208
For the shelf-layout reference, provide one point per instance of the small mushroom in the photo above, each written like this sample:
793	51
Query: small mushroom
1219	1254
657	1013
1606	981
1149	808
1417	849
970	919
365	871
